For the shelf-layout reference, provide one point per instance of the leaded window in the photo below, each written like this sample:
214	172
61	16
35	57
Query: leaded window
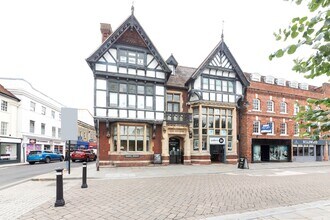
4	128
4	105
173	102
131	57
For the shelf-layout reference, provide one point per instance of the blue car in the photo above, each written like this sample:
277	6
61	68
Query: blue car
43	156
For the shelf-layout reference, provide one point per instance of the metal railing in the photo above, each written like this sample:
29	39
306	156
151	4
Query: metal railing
178	117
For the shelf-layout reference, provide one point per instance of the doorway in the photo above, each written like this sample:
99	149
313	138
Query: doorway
175	151
217	153
264	153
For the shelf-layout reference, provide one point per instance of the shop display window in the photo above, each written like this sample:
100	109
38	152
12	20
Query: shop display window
8	151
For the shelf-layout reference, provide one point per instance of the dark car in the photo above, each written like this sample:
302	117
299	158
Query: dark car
43	156
83	155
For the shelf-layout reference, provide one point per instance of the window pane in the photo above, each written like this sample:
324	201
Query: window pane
169	97
122	100
140	89
169	107
113	87
113	99
176	107
149	103
140	103
149	90
123	88
131	100
132	89
176	97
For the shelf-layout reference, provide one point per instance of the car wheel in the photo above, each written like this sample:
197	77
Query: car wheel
62	158
32	162
87	159
95	158
73	160
47	160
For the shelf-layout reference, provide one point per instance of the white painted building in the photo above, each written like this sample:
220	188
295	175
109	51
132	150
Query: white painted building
10	141
38	118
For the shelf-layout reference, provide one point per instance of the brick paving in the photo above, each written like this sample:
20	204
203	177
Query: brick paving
195	196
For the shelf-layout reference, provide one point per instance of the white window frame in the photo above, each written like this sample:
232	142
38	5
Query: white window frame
53	114
283	108
4	128
4	105
32	126
283	128
256	104
270	106
32	106
296	130
295	109
43	110
256	127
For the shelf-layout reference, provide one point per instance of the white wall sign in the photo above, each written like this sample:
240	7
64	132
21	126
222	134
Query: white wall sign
69	124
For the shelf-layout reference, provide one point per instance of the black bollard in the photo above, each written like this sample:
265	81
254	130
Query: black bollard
59	188
84	176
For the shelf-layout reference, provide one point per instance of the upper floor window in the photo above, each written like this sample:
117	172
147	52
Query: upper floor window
43	110
59	132
280	82
295	109
173	102
293	84
53	132
131	57
270	106
32	124
4	105
256	104
217	85
256	77
256	127
32	106
303	86
4	128
43	128
53	114
271	125
269	79
283	107
283	128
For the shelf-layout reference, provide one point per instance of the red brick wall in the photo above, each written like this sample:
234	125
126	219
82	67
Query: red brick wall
132	38
104	142
158	140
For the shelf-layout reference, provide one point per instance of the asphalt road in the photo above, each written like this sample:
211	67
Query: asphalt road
11	175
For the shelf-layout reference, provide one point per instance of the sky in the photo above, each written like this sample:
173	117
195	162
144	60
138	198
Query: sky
46	42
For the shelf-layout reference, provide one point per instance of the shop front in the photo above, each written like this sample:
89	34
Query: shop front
10	150
271	150
307	150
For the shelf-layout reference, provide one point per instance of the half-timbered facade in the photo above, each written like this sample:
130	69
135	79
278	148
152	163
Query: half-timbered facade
145	106
215	90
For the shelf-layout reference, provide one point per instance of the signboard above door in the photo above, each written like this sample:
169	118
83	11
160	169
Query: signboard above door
217	140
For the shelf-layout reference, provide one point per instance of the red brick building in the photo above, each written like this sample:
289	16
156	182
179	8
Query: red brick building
268	131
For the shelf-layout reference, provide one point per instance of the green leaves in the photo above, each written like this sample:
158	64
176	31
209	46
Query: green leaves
292	49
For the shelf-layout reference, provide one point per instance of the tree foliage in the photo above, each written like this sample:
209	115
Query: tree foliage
313	32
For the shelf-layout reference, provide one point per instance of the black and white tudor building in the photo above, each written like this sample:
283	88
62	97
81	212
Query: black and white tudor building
150	110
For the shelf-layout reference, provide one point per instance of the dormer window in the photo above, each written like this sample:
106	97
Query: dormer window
269	79
256	77
303	86
131	57
172	68
280	82
293	84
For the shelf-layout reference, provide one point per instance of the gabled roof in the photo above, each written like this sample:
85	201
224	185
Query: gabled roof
221	47
129	24
172	61
8	94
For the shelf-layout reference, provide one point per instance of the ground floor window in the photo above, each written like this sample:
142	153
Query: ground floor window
267	150
8	151
131	138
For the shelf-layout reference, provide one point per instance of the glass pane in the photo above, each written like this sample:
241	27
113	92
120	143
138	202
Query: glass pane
311	151
140	102
123	88
294	151
149	103
123	145
306	151
113	99
113	87
169	107
210	122
300	151
176	97
176	107
217	121
223	122
122	100
131	145
149	90
169	97
218	85
196	120
160	103
160	90
131	100
139	145
140	90
229	122
132	89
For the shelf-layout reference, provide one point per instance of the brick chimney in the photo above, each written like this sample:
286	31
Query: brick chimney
106	30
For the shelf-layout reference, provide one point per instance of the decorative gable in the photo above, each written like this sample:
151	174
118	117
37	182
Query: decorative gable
220	60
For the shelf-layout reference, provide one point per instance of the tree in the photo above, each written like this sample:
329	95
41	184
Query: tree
313	32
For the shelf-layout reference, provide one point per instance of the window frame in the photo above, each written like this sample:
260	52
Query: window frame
256	127
270	104
283	108
256	104
4	106
4	128
283	128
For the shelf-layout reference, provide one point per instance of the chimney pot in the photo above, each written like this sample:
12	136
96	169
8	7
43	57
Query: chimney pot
106	31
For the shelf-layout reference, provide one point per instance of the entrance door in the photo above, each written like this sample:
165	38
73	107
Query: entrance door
264	152
319	153
217	153
174	151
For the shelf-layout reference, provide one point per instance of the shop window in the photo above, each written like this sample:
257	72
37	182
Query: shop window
306	151
8	151
300	151
311	151
294	151
4	105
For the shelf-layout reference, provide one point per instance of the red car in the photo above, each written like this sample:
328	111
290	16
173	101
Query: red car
83	155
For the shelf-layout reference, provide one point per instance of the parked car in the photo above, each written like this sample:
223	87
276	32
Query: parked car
83	155
43	156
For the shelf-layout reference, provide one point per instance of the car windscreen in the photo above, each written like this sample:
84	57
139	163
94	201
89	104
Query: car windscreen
35	152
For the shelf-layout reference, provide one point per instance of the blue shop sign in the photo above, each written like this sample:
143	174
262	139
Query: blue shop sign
267	128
